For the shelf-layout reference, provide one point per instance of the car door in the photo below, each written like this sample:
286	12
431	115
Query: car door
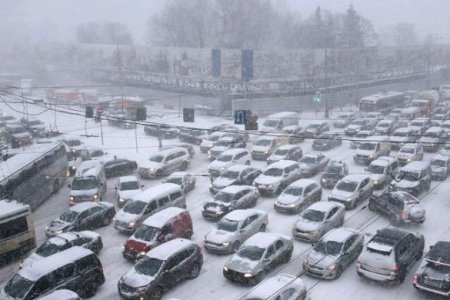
308	196
331	219
96	215
246	198
269	262
66	278
248	227
411	245
83	221
350	250
43	285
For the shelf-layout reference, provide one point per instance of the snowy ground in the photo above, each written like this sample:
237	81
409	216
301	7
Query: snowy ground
211	283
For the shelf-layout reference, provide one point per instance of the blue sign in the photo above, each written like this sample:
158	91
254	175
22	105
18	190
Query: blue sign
240	117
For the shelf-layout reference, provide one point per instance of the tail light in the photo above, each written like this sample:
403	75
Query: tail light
415	278
395	267
100	266
404	214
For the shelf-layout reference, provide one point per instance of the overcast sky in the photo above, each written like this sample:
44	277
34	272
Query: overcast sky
56	19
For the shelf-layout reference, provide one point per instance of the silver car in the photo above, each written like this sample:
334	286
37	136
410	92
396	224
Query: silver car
312	163
298	195
283	286
234	229
259	255
351	190
318	219
333	253
277	176
185	180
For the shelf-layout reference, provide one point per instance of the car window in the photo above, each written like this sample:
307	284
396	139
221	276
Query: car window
150	207
42	285
286	295
270	251
170	157
84	214
402	248
85	264
64	273
176	195
332	212
278	245
163	201
308	189
95	209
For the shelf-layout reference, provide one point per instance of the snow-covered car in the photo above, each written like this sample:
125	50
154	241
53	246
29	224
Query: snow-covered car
188	147
297	196
445	150
87	239
237	175
286	152
234	229
228	199
318	219
446	126
312	163
437	119
184	179
327	141
409	153
62	294
126	188
351	190
161	130
360	136
314	129
343	119
420	124
382	171
225	143
295	134
414	178
432	139
165	162
277	176
278	287
119	167
333	172
209	140
386	127
372	148
257	256
263	147
335	251
374	115
228	158
193	136
358	125
440	167
402	136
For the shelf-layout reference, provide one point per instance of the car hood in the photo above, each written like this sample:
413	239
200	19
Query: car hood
404	184
260	148
376	177
126	217
90	192
398	138
215	205
57	224
207	143
444	152
263	179
31	259
139	245
135	279
364	152
276	157
223	182
339	194
404	155
215	165
305	166
306	225
220	236
150	164
243	265
321	260
128	194
219	149
289	199
426	139
436	169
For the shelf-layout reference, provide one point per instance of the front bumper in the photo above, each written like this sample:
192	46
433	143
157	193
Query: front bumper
319	272
365	272
220	248
124	227
287	209
307	236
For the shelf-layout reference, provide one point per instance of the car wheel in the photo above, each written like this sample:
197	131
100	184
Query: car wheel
194	271
89	289
183	166
395	220
372	206
156	294
106	220
235	246
247	163
262	228
159	173
338	272
55	186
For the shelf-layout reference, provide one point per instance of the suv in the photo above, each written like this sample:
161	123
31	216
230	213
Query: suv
228	158
409	153
414	178
312	163
400	207
160	269
127	187
237	174
297	196
277	176
432	274
433	138
382	170
342	120
372	148
315	129
327	141
165	162
334	171
230	141
76	269
389	254
440	167
287	152
351	190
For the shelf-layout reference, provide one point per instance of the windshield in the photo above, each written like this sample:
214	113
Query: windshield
438	163
222	143
230	175
271	123
83	183
407	150
147	233
134	207
263	142
333	169
308	160
18	287
406	175
157	158
329	247
274	172
225	158
347	186
367	146
224	197
294	191
148	266
49	248
228	225
375	169
251	252
72	143
69	216
129	185
314	215
281	151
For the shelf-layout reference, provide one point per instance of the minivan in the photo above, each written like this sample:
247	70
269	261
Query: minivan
163	226
165	162
414	178
146	203
76	269
382	170
265	145
89	183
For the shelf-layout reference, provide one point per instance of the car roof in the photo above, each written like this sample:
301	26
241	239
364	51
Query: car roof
389	236
355	177
266	137
166	250
338	234
179	174
234	151
302	182
324	206
272	285
155	191
434	129
233	189
130	178
170	150
242	214
415	165
287	147
281	164
440	157
80	207
59	295
161	218
238	168
405	129
383	161
264	239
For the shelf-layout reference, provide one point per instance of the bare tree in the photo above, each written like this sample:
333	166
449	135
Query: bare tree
404	34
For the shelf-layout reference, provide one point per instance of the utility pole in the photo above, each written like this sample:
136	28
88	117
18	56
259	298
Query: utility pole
327	114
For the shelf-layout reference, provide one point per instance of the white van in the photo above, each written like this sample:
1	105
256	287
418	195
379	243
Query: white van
277	121
265	145
146	203
89	183
372	148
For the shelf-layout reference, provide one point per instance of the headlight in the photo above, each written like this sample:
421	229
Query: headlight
314	232
95	196
73	167
332	267
121	200
152	169
226	244
59	231
370	156
291	205
142	253
305	261
409	159
46	227
225	269
71	198
324	180
375	182
114	219
131	224
222	168
349	199
354	155
248	275
123	248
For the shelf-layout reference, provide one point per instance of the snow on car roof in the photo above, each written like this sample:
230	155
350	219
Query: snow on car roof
266	137
302	182
272	285
48	264
440	157
130	178
8	208
238	168
242	214
447	122
383	161
80	207
434	129
234	151
156	191
339	234
164	251
60	294
161	218
324	206
233	189
264	239
281	164
380	247
355	177
415	166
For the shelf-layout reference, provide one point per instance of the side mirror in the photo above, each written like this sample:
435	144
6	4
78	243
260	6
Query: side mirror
69	185
142	185
116	188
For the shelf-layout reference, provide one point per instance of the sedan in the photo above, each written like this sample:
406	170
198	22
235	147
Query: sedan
161	130
312	163
259	255
237	174
87	239
234	229
333	253
297	196
318	219
327	141
193	136
185	180
119	167
82	216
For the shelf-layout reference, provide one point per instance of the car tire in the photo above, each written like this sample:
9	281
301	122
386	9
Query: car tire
89	289
338	272
395	220
372	206
235	246
184	165
262	228
156	293
194	271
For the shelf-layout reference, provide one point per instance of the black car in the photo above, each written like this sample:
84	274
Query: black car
119	167
82	216
334	171
433	274
164	131
193	136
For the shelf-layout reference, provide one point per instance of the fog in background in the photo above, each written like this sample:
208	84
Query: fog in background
56	20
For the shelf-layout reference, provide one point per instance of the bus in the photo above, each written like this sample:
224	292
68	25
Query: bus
382	102
31	175
17	235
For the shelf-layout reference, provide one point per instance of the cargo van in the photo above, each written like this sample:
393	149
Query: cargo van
89	183
147	203
372	148
165	225
277	121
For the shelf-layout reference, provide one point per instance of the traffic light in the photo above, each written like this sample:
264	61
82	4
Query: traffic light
317	98
251	123
141	114
188	115
89	113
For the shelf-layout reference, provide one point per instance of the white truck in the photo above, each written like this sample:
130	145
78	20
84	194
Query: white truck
280	120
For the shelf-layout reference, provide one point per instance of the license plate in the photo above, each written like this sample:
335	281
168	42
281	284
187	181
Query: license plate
434	283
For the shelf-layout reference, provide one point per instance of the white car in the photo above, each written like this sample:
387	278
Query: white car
227	159
351	190
409	153
298	195
127	187
277	176
282	286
